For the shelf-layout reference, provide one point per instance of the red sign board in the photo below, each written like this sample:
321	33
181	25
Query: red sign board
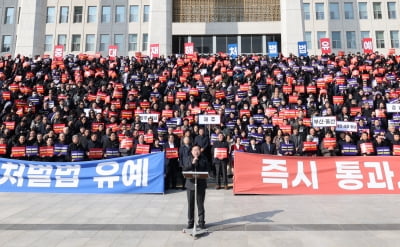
269	174
325	45
58	52
112	51
367	45
154	50
189	48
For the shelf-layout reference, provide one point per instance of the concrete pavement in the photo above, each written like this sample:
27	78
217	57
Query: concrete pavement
29	219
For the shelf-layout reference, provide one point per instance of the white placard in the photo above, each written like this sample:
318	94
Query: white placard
323	121
209	119
392	107
144	118
87	111
345	126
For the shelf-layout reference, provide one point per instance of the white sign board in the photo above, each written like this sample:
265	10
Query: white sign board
392	107
209	119
323	121
144	118
345	126
87	111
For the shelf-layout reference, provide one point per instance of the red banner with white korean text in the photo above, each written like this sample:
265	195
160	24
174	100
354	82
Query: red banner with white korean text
271	174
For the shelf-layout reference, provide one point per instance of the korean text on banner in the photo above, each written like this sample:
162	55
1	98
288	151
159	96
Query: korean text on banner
302	48
132	174
58	52
325	45
154	50
112	51
233	50
189	48
273	49
269	174
367	45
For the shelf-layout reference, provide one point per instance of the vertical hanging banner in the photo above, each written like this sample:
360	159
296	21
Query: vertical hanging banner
189	48
325	45
273	49
112	52
302	48
154	50
58	52
367	45
272	174
131	174
233	50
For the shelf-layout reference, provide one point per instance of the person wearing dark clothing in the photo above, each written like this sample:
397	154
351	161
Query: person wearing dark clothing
196	162
171	165
268	147
253	147
220	162
76	151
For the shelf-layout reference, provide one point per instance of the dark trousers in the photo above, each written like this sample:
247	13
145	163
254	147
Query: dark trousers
201	195
221	169
172	174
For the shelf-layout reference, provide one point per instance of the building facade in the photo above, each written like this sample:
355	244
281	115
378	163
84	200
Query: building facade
34	27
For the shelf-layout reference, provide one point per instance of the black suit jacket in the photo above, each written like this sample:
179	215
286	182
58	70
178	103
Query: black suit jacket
256	149
201	165
270	150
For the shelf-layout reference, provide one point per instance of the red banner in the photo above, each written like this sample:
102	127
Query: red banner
58	52
189	48
171	153
269	174
154	50
367	45
325	45
112	52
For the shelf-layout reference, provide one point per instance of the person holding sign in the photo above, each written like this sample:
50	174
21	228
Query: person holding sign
286	147
196	162
220	160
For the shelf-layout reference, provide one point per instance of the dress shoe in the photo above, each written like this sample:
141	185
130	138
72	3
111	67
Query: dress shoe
202	226
217	187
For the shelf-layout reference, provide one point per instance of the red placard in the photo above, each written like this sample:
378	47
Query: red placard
329	142
286	129
10	125
171	153
354	111
148	138
95	126
178	133
380	113
277	121
142	149
325	45
126	142
95	153
338	100
127	114
6	95
17	152
367	45
189	48
254	100
269	174
220	153
58	52
220	95
112	52
287	89
46	151
367	147
307	122
244	112
396	150
167	113
293	99
299	89
311	89
3	148
181	95
310	146
58	128
203	105
154	50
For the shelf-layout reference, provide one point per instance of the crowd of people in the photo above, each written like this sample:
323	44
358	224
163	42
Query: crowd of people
91	107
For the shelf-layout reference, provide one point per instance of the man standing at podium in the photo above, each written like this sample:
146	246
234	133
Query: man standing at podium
196	162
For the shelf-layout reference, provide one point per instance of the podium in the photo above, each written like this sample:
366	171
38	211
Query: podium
195	175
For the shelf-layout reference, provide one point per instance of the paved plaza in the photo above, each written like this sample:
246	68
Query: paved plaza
29	219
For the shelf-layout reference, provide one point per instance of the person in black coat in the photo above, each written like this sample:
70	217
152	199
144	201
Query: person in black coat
171	164
253	147
220	164
268	147
196	162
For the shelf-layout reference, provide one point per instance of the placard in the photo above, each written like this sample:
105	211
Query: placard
209	119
